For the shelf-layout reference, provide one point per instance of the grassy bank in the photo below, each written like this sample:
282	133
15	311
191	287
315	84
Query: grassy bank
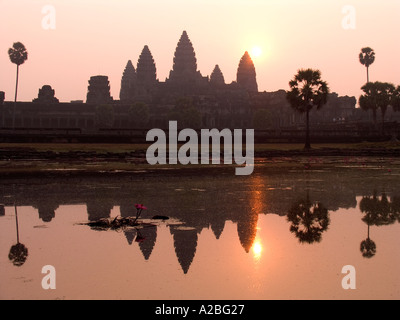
38	159
125	148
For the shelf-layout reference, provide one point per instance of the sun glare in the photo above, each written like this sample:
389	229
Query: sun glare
256	52
257	250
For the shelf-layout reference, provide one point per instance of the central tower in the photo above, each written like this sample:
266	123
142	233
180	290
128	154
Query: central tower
184	76
185	58
246	74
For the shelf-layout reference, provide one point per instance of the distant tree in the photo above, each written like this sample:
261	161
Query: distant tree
368	101
385	94
18	55
378	212
138	114
395	207
307	91
395	102
367	57
377	95
104	117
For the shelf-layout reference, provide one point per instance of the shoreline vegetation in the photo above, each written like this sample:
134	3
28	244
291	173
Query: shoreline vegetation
23	160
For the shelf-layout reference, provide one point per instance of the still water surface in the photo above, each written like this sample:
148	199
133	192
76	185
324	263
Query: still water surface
281	233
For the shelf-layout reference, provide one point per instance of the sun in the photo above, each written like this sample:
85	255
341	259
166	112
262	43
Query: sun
256	52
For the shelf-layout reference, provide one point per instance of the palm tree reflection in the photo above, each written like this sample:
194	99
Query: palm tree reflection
308	220
377	212
18	252
368	247
395	205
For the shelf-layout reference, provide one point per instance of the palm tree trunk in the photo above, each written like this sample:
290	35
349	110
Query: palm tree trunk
3	121
16	221
307	146
374	116
367	75
15	100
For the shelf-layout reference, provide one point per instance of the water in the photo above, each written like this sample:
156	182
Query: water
228	237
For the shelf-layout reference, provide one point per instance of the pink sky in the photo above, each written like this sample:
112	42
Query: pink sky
99	37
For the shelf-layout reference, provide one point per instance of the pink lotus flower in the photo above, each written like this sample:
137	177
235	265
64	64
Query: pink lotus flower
140	206
140	238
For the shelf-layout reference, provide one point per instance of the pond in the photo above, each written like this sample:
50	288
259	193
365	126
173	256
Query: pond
285	232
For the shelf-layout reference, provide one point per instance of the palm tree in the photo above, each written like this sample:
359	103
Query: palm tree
369	206
385	93
307	91
378	95
18	55
378	212
367	57
367	101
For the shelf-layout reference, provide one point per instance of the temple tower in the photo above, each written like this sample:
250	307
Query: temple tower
246	74
149	234
46	95
185	62
128	83
185	243
99	90
217	78
184	75
146	68
146	74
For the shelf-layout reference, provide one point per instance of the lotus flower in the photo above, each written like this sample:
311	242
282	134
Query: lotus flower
140	238
140	207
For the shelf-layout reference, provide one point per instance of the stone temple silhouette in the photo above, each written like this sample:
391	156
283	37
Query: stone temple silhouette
220	104
246	74
141	84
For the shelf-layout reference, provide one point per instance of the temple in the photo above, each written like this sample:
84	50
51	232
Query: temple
146	102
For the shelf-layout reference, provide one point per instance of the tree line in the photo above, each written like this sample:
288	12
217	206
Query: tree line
308	90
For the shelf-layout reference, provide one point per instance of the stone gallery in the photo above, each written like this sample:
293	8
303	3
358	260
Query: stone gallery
186	96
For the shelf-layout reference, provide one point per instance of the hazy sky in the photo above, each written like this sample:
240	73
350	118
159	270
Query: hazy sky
98	37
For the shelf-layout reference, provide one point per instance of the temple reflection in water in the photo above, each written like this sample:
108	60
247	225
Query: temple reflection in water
305	199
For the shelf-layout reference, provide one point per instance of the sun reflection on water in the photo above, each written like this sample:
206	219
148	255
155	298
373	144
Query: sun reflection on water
257	250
